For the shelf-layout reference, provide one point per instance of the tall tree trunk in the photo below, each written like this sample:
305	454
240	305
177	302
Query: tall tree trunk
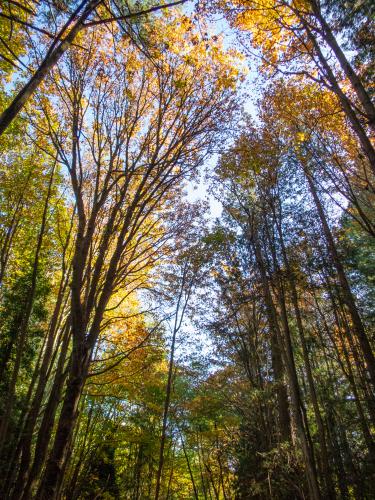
33	412
326	472
345	287
48	489
295	391
297	404
352	76
23	329
165	416
59	46
346	105
189	466
46	426
168	389
282	395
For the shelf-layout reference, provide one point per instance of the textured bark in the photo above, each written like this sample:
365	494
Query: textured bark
326	469
49	487
295	391
48	420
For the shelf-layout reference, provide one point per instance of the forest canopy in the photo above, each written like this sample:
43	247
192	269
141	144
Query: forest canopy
187	250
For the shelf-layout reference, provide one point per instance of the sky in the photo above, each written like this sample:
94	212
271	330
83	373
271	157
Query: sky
199	190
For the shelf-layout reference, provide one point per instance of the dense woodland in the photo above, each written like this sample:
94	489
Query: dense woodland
150	346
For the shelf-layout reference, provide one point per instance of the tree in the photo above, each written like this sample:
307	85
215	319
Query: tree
63	39
298	39
125	143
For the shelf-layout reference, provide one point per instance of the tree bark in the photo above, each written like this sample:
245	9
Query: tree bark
23	329
46	426
52	57
277	364
346	105
345	287
354	79
48	489
326	472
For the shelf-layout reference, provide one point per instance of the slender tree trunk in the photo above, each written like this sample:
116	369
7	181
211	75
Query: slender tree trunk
299	407
31	419
346	291
182	302
346	105
23	330
282	395
168	392
189	467
354	79
326	472
46	426
48	489
72	489
58	48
